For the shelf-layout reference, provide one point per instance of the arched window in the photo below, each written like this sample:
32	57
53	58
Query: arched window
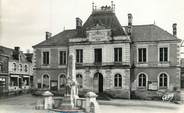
14	67
117	80
46	81
163	80
79	80
142	80
20	67
25	68
62	80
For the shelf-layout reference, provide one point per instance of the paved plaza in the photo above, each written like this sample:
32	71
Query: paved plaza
26	103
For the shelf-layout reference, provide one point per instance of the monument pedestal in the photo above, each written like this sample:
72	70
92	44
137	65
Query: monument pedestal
67	103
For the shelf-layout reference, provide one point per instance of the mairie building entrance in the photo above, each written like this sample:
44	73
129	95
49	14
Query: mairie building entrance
98	83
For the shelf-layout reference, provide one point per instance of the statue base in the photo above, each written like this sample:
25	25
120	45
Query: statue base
67	106
67	103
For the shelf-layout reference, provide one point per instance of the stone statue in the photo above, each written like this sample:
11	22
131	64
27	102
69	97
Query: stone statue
71	94
68	86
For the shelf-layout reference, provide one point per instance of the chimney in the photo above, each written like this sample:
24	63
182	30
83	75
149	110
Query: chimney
47	35
93	6
78	23
16	53
174	26
130	17
17	49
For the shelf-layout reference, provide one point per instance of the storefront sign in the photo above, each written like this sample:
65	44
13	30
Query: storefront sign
14	75
26	76
152	85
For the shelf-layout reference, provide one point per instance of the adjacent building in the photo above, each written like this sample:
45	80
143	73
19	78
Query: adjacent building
19	70
3	73
182	64
110	58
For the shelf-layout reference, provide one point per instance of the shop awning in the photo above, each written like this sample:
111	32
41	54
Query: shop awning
14	75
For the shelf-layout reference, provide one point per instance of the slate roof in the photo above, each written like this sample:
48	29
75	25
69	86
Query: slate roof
29	56
107	19
60	39
11	53
6	51
150	33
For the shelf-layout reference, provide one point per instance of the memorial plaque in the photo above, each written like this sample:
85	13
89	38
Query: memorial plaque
152	85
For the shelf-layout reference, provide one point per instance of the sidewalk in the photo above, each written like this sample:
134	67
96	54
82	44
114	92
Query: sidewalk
141	103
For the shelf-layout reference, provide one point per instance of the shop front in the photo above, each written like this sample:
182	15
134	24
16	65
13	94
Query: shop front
3	85
25	83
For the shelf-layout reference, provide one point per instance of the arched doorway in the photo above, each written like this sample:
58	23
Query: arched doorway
98	82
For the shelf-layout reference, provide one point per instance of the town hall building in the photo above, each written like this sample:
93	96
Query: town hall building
110	58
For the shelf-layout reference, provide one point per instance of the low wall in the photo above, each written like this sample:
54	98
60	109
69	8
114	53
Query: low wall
118	93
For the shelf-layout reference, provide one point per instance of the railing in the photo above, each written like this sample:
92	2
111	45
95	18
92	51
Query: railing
104	64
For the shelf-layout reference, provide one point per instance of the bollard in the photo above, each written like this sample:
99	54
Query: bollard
48	100
91	104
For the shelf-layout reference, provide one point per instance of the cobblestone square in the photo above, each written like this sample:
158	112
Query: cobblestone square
26	104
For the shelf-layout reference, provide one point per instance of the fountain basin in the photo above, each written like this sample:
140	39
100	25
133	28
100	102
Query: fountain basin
66	111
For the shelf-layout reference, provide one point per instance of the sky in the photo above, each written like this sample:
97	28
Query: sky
23	23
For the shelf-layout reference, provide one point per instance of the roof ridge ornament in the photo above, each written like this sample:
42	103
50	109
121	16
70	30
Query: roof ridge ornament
107	8
93	7
113	6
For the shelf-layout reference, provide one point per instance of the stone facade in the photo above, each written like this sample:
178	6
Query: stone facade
110	58
22	72
153	76
97	76
153	68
